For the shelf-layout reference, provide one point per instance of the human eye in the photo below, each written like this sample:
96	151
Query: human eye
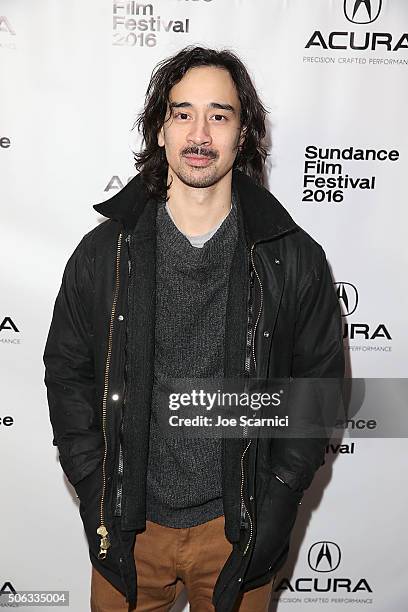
181	115
220	118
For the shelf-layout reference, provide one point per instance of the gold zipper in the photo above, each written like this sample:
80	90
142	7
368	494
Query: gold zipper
102	530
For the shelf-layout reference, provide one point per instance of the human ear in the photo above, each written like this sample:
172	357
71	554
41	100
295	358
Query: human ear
160	137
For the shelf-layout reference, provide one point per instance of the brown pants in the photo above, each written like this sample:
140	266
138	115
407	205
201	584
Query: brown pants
169	560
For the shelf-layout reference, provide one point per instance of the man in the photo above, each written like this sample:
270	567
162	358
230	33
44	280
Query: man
199	272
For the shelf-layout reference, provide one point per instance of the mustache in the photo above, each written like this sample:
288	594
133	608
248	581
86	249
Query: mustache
201	151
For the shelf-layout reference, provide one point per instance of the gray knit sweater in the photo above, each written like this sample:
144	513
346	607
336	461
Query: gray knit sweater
184	475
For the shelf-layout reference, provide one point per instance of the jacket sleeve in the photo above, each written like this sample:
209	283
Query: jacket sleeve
69	371
318	355
318	350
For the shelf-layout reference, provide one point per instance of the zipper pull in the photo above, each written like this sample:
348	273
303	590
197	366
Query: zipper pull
244	524
282	481
104	543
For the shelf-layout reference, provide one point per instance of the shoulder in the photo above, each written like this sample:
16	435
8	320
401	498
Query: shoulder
97	247
99	240
298	249
306	245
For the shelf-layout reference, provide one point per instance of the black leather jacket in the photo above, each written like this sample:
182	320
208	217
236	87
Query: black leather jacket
292	330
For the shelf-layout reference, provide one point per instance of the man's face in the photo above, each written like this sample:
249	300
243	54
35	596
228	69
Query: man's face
202	129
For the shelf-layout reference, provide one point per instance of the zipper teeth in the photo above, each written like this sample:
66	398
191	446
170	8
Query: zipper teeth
250	340
118	505
119	490
260	305
249	335
253	335
103	552
242	498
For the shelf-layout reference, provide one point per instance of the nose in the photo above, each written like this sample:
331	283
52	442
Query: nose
199	133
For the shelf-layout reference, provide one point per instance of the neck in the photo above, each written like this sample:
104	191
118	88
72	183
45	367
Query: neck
198	210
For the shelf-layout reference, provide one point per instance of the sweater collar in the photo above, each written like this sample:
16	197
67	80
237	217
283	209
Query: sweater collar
263	216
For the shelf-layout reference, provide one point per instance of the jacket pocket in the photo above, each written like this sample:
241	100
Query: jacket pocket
89	490
276	512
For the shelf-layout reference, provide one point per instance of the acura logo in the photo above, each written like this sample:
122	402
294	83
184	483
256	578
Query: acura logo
362	11
324	557
348	298
5	26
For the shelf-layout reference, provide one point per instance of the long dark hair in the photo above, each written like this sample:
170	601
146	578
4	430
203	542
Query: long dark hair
151	162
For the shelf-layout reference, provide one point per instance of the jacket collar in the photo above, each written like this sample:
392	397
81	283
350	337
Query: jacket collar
263	216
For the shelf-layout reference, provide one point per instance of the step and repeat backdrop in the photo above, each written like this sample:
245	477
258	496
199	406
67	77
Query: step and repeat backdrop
333	75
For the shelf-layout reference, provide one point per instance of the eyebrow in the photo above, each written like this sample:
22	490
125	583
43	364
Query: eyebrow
216	105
